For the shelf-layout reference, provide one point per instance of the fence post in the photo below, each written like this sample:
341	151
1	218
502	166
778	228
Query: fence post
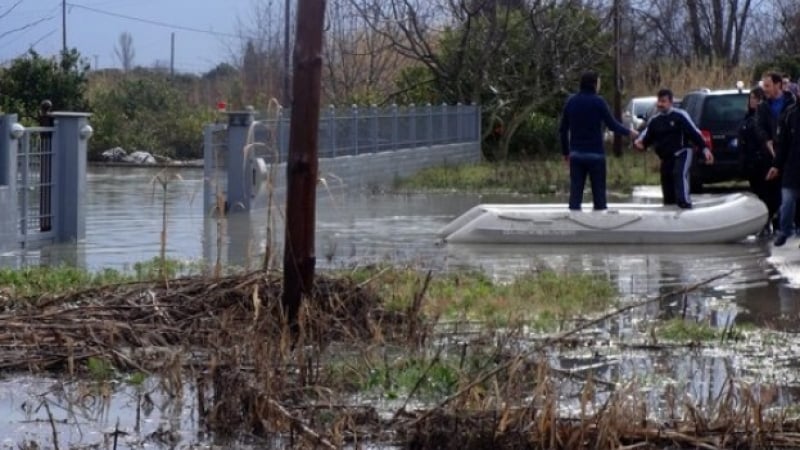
476	110
10	132
445	131
395	127
430	124
354	109
239	165
412	125
279	140
72	131
23	179
459	125
209	168
332	128
376	147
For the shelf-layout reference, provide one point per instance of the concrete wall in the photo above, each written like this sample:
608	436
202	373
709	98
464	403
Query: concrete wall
384	168
381	169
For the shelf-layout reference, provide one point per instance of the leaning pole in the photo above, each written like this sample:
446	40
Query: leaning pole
301	168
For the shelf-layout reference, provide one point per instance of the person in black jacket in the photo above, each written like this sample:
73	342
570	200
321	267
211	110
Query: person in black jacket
581	133
672	132
756	160
770	112
787	166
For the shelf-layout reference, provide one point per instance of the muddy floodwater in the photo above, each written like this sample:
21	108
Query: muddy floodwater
365	227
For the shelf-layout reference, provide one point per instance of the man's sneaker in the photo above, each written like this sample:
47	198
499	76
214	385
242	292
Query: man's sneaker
780	240
685	205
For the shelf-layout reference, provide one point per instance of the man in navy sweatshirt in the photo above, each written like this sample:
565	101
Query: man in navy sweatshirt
581	132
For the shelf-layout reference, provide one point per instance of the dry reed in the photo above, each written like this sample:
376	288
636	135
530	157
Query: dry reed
681	78
229	336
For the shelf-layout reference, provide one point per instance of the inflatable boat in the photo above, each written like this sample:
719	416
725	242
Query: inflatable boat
713	220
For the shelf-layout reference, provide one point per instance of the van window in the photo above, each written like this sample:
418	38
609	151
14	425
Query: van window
724	111
642	107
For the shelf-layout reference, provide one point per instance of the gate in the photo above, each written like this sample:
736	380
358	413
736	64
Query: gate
35	181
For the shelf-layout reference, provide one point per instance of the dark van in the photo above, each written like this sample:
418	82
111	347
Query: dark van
718	114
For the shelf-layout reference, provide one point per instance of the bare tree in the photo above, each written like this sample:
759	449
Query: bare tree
258	53
776	30
515	57
361	65
124	51
414	27
716	29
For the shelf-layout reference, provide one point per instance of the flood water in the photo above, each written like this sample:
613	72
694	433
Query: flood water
124	221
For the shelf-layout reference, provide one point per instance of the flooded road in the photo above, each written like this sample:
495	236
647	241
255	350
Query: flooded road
124	218
124	221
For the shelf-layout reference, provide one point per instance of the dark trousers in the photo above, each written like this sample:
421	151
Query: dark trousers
675	178
768	191
789	199
582	165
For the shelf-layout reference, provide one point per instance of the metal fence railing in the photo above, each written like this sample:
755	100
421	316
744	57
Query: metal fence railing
35	183
361	130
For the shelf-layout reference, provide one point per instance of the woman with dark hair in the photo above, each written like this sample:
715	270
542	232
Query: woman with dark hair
756	159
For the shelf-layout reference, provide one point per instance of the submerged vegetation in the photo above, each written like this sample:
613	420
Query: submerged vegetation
32	282
683	330
545	175
542	299
385	355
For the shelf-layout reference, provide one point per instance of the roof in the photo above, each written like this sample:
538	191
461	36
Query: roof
719	91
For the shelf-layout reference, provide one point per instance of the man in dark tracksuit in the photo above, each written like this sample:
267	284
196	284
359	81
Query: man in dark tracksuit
581	132
787	166
768	114
672	132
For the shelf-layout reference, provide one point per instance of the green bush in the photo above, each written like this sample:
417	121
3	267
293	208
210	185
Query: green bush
538	136
147	112
30	79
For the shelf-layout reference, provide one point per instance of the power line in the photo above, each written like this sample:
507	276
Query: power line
153	22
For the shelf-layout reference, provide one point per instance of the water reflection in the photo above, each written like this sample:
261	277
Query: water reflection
90	413
666	380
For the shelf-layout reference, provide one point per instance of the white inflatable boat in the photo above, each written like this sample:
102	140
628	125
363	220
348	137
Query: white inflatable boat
713	220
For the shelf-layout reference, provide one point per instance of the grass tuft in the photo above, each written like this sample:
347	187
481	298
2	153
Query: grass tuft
681	330
541	176
541	299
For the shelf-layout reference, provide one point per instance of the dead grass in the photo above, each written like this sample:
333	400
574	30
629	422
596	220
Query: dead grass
226	336
682	79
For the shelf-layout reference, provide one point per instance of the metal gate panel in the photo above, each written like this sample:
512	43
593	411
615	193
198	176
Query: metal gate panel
35	181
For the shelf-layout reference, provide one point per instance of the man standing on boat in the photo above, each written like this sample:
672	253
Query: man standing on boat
672	132
581	132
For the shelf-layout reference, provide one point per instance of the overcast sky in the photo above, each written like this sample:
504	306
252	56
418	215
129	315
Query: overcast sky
205	30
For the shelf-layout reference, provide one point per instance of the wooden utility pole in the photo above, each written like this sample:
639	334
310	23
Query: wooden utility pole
64	26
172	55
301	168
617	78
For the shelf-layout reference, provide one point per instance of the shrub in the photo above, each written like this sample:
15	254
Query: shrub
147	112
538	136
